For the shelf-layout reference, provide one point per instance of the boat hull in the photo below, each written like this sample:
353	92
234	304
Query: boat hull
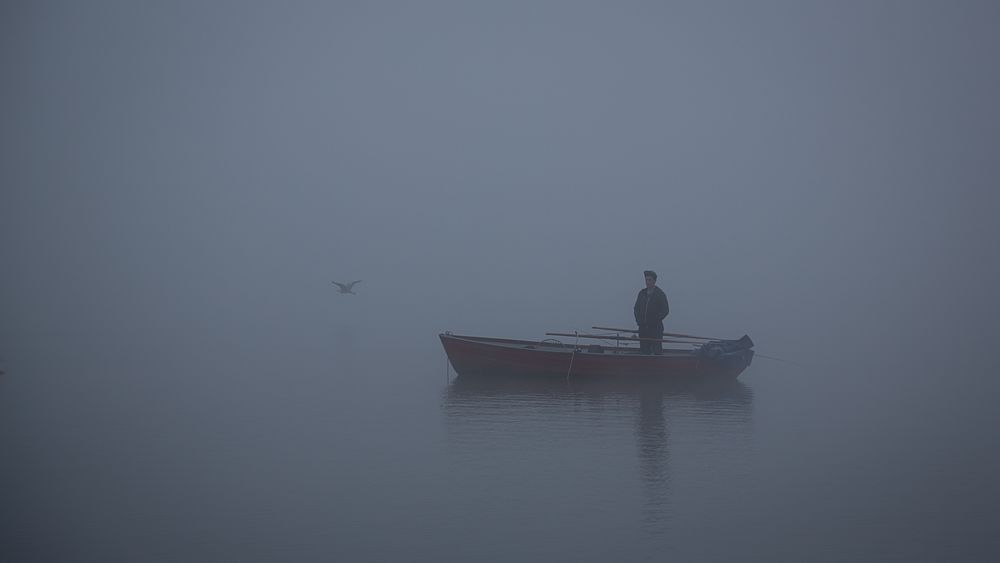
497	357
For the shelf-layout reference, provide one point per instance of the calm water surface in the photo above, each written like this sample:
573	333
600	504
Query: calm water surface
303	448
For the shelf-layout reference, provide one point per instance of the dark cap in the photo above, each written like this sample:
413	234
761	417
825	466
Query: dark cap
650	274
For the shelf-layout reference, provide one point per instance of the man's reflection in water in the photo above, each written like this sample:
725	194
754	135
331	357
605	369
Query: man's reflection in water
711	408
715	407
654	457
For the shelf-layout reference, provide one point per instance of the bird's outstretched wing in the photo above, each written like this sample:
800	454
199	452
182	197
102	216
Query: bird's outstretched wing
346	287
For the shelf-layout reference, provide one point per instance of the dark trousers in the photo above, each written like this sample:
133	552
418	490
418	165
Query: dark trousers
649	347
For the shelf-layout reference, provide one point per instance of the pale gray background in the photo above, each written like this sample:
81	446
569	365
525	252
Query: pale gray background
184	179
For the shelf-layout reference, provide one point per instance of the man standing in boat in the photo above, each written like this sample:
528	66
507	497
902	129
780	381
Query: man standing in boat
650	309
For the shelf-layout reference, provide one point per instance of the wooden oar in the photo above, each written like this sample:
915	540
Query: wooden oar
619	338
674	334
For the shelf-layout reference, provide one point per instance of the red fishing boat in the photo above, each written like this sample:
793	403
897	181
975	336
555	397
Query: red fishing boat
688	356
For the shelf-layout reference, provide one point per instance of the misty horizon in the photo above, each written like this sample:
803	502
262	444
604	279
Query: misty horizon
182	181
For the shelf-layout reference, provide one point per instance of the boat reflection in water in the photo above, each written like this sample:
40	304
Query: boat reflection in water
594	430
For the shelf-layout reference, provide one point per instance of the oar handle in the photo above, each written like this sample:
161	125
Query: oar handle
619	338
614	329
674	334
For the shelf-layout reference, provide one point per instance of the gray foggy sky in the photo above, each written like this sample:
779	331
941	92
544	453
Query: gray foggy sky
789	168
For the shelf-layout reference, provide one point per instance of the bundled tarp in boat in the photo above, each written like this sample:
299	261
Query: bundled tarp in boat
719	348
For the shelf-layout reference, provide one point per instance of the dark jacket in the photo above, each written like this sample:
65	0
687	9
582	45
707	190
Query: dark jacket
652	309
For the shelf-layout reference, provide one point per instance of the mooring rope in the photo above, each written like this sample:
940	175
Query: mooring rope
571	358
576	346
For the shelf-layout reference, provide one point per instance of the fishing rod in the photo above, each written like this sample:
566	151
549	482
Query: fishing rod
756	354
759	355
666	341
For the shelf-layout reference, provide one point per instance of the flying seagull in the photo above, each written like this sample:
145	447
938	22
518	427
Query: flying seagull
346	287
